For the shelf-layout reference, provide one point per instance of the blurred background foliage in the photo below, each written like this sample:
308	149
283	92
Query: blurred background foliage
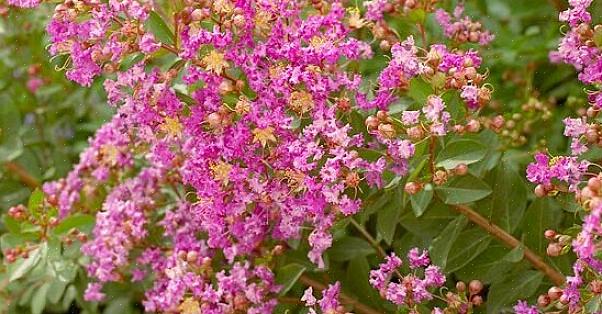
45	122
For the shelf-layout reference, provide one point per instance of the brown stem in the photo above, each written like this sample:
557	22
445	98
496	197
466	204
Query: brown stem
358	307
379	249
558	5
511	242
22	174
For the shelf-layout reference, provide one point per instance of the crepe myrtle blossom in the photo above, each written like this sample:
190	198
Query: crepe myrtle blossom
410	289
243	144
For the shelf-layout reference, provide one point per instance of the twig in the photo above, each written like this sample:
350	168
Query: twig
358	307
381	252
511	242
22	174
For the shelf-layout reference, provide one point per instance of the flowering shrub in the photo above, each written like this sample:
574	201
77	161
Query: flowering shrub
262	151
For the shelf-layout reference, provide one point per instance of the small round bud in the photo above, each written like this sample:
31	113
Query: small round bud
460	286
540	191
475	286
412	188
182	255
371	123
278	250
596	286
477	300
461	169
415	133
440	177
382	115
473	126
385	45
594	184
386	130
550	234
554	249
192	256
214	119
543	300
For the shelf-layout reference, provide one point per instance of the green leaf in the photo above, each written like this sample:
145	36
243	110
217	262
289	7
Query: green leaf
23	266
518	286
419	90
288	275
11	145
488	267
462	151
159	28
358	274
542	214
428	226
462	190
349	248
78	221
35	201
421	200
38	302
120	305
470	244
594	305
57	287
507	205
442	244
516	255
388	218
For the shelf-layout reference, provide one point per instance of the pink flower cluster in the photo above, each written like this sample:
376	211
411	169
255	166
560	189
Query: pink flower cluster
410	289
580	49
328	304
463	29
244	142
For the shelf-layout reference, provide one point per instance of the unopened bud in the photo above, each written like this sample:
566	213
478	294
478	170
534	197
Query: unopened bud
461	169
543	300
473	126
554	249
540	191
412	188
550	234
192	256
460	286
594	184
475	286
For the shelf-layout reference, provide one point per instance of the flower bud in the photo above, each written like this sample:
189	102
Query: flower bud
540	191
477	300
543	300
415	133
460	286
192	256
412	188
550	234
371	123
594	184
475	286
382	115
554	249
440	177
386	130
461	169
384	45
596	286
473	126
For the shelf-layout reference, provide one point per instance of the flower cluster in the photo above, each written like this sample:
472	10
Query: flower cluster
242	141
329	304
411	289
580	49
462	29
